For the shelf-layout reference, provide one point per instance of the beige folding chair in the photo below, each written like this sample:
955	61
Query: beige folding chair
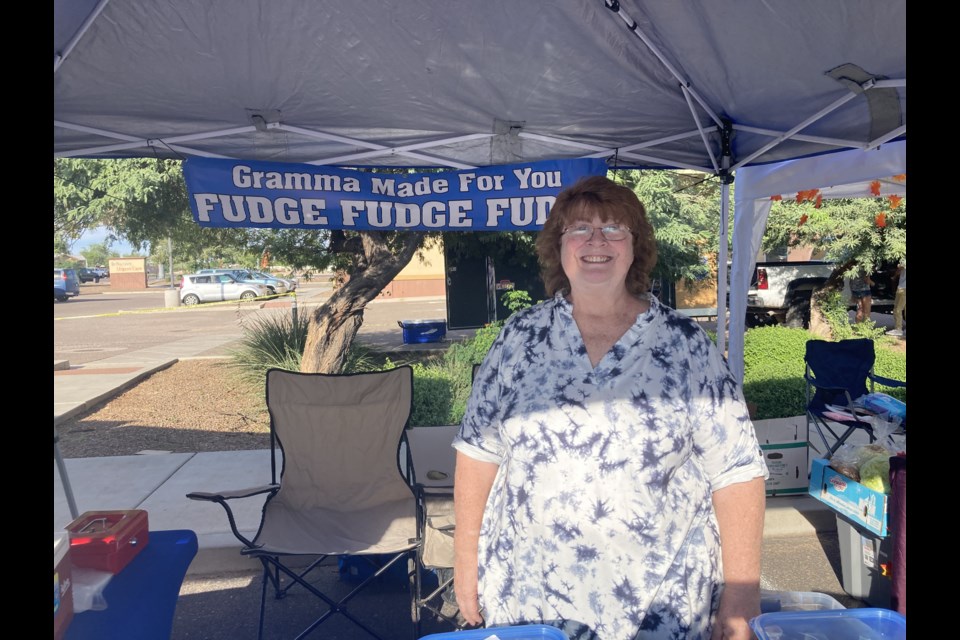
434	460
341	490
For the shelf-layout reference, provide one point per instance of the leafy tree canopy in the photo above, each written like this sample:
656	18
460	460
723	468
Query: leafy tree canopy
684	209
859	234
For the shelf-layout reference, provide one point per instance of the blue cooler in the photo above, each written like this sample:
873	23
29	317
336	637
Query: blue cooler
522	632
420	331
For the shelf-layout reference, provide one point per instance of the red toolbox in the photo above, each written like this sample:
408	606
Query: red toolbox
107	540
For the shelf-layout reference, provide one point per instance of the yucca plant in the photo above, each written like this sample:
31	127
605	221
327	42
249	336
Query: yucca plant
268	342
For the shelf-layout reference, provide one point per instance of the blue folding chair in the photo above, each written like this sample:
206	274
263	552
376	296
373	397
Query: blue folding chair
837	374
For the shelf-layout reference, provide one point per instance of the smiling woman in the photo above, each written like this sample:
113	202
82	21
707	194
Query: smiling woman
606	458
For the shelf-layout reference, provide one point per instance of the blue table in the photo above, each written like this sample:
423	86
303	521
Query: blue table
142	598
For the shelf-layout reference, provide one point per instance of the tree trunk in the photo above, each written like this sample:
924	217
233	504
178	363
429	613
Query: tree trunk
818	324
334	325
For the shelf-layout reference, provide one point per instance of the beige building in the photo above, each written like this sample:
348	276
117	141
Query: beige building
425	275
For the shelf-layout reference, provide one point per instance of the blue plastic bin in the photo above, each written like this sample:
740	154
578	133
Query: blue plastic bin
522	632
837	624
420	331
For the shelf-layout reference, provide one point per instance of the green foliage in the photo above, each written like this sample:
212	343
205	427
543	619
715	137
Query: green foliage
684	210
433	397
773	370
515	300
99	254
833	306
844	229
481	342
891	364
268	342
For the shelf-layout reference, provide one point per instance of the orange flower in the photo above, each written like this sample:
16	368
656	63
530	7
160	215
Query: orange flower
776	198
900	177
807	194
803	219
894	201
816	205
875	187
880	220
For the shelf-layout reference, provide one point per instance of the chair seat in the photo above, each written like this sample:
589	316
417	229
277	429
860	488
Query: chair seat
388	528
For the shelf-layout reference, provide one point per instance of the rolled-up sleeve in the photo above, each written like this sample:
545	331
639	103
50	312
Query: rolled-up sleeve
724	438
479	436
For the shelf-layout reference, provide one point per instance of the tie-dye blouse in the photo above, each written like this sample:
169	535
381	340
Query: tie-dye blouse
600	519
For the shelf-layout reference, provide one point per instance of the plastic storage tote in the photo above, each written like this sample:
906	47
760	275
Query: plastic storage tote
420	331
773	601
840	624
522	632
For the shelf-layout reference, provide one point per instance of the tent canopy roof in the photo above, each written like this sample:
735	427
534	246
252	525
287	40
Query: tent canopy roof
462	84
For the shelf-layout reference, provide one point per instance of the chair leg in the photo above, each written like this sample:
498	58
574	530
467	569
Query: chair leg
263	596
334	607
415	586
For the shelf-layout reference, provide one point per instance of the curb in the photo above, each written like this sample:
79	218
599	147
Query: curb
133	380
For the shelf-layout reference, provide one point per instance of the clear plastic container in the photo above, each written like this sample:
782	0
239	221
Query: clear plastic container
773	601
837	624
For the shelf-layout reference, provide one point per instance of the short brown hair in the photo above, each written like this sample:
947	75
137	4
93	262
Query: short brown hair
610	201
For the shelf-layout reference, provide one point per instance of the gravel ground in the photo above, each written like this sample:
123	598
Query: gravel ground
193	405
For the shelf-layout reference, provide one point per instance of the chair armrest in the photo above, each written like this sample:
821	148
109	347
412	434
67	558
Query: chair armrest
230	495
888	382
222	497
813	382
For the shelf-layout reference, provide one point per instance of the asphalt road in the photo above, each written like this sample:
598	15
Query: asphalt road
100	324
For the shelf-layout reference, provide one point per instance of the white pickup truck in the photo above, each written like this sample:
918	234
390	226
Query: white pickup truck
780	291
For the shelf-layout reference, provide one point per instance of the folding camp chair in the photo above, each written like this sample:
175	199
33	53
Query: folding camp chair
434	459
341	490
837	374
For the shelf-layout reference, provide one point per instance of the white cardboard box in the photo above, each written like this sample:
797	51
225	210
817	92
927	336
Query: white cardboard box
785	449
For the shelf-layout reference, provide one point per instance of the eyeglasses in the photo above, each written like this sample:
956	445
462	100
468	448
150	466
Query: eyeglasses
611	232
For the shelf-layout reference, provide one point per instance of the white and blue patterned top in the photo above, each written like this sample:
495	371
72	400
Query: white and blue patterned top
600	520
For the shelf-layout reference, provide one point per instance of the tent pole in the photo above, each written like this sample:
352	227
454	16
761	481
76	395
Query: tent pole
64	479
722	267
726	179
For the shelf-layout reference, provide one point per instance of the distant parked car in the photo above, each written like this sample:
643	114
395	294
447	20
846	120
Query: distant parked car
103	272
245	275
215	287
88	275
290	284
66	284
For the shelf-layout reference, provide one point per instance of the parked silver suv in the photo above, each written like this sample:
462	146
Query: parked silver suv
215	287
275	285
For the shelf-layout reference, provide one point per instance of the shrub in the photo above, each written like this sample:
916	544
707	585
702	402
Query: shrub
891	364
773	371
268	342
433	397
835	312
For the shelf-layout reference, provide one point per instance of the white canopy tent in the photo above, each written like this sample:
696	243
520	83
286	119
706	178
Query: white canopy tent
712	86
848	174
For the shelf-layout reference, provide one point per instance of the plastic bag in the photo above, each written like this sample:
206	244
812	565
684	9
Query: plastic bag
846	461
88	586
850	458
884	405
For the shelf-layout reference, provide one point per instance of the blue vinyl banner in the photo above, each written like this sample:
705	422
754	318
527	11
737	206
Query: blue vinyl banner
275	195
